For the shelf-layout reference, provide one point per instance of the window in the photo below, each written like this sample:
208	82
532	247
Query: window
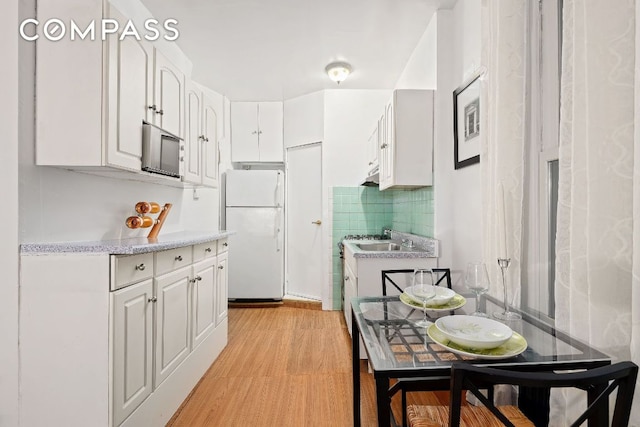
538	272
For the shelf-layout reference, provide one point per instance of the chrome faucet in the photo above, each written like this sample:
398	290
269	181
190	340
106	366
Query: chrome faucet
407	243
386	233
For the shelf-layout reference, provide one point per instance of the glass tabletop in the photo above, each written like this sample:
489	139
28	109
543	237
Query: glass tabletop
394	343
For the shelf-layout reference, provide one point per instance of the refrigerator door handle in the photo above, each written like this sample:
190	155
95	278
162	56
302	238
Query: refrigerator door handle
278	193
277	231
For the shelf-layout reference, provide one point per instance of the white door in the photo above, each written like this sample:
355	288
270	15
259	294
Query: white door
169	94
172	322
304	226
270	131
209	143
130	95
222	289
132	314
203	290
192	136
244	132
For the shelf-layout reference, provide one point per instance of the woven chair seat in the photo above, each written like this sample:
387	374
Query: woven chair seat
470	416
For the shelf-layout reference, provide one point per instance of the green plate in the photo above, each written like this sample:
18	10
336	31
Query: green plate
456	302
513	347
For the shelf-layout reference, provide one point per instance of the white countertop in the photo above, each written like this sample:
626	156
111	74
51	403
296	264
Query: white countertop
428	248
128	246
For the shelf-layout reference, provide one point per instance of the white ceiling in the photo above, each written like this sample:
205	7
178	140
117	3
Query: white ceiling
263	50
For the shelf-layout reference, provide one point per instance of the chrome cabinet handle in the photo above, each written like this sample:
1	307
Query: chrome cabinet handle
346	278
208	250
152	299
206	140
201	137
255	132
198	278
179	258
225	244
161	112
316	222
152	107
140	267
259	132
220	267
385	145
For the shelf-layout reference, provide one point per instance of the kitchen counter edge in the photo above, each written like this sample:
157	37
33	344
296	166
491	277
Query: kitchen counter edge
430	251
128	246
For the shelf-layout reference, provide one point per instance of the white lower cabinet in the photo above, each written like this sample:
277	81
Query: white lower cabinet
134	343
222	289
172	322
203	299
132	348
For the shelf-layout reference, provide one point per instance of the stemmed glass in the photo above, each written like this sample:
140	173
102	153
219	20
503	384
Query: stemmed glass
423	290
477	280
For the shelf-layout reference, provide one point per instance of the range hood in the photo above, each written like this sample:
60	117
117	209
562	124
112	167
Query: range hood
372	179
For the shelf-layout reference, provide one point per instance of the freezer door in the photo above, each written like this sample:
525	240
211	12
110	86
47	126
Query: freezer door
256	263
255	188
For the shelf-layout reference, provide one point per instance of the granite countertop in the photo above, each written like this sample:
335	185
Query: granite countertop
424	247
128	246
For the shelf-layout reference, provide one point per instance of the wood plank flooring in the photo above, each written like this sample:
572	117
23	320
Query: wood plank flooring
284	366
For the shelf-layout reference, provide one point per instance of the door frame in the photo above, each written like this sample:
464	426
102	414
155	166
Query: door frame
323	245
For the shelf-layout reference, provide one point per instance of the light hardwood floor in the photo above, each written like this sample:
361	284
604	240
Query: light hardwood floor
283	366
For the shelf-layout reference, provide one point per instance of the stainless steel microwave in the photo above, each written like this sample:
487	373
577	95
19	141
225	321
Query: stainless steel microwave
162	152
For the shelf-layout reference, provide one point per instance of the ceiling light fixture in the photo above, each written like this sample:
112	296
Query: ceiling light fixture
338	71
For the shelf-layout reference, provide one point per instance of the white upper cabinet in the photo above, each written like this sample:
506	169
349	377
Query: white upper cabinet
406	149
257	132
92	97
201	138
169	96
130	85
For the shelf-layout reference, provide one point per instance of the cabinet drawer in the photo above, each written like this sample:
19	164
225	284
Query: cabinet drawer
204	250
128	269
174	258
223	245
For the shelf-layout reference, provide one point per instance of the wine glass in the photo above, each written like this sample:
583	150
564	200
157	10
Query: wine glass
477	280
423	290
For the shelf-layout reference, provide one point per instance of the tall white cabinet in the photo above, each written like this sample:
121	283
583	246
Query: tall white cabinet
123	337
257	132
406	140
201	138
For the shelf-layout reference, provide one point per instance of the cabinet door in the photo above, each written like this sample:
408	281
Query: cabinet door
387	147
209	143
192	135
222	288
203	313
270	132
172	322
244	132
169	92
350	290
132	330
372	149
130	76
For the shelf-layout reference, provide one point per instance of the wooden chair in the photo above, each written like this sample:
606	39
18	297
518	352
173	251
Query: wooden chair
604	380
414	384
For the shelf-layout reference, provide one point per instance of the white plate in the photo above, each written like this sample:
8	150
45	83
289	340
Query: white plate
513	347
443	295
473	331
456	302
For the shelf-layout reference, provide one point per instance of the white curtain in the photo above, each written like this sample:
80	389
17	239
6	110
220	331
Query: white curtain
597	245
504	24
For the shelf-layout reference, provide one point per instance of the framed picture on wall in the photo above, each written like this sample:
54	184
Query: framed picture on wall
466	122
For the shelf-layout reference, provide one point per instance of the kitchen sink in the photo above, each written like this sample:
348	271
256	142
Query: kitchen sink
379	246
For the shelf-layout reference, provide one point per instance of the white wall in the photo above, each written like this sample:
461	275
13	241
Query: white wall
451	44
9	216
60	205
304	119
349	118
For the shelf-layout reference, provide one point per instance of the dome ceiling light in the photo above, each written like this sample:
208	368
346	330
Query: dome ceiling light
338	71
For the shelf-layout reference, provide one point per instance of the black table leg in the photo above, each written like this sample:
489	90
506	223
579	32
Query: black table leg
601	416
534	403
383	401
355	369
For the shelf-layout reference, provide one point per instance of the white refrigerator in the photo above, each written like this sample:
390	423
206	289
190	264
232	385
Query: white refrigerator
254	211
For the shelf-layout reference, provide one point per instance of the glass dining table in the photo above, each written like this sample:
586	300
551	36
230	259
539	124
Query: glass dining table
396	348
